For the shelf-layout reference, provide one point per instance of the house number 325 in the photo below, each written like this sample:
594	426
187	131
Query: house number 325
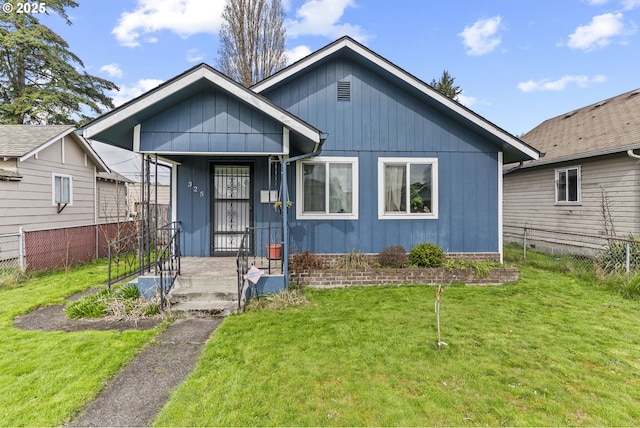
195	188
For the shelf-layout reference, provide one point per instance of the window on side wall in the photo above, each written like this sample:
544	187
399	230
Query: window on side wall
62	189
407	188
327	188
568	185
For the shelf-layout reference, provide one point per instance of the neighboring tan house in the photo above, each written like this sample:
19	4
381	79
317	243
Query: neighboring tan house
47	178
588	179
112	197
163	199
369	156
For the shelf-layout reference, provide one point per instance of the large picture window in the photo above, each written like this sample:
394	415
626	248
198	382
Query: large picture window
329	188
568	185
407	188
62	189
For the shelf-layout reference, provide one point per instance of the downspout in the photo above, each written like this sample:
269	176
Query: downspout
285	215
632	155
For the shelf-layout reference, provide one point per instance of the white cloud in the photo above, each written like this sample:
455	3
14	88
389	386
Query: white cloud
112	70
626	4
297	53
600	32
467	101
482	37
127	93
561	84
183	17
322	18
194	55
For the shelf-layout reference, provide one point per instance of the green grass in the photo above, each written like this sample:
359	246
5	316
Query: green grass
553	349
45	377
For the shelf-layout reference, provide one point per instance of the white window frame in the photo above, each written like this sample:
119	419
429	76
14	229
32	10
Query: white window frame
299	205
382	162
53	188
566	170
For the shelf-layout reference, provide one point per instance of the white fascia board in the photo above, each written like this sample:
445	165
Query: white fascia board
46	144
227	85
404	76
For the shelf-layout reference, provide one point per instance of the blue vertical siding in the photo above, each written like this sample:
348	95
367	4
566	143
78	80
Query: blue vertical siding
211	122
383	120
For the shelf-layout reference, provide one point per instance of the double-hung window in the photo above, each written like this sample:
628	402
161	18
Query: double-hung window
327	188
407	188
62	189
568	185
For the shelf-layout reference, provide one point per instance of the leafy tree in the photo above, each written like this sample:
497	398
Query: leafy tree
446	87
40	81
252	40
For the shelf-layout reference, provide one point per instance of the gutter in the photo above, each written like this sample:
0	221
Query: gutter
285	215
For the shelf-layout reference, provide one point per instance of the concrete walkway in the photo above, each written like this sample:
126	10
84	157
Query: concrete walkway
138	393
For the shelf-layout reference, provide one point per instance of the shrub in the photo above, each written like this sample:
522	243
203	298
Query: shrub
427	255
120	303
614	259
354	260
305	262
394	256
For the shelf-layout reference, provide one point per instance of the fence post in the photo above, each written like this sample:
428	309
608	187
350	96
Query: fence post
524	244
22	256
627	259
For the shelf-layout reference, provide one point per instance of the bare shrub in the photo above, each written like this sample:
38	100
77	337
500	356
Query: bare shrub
394	256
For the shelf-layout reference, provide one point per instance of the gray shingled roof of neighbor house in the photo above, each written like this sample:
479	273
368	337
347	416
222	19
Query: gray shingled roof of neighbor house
608	126
18	140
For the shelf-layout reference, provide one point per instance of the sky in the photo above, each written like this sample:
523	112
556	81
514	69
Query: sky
518	62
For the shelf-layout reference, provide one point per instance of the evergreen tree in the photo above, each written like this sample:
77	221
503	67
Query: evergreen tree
446	87
39	78
252	40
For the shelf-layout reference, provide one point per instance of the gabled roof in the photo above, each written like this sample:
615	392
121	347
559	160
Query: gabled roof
605	127
24	141
513	148
113	177
116	127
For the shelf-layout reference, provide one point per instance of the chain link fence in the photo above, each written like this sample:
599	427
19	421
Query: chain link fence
594	254
45	249
11	251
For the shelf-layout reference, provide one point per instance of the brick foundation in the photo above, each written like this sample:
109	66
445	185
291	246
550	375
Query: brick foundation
334	278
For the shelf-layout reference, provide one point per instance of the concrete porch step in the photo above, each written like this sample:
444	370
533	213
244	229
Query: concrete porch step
204	295
206	307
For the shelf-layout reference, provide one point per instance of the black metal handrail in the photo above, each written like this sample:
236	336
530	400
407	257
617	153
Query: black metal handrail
124	256
168	261
135	254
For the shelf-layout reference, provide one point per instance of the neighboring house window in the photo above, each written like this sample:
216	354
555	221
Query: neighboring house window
568	185
407	188
329	188
62	189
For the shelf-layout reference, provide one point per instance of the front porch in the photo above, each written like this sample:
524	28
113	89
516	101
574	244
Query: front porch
209	285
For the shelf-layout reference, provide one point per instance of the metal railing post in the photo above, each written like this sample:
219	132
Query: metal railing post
524	244
628	259
21	250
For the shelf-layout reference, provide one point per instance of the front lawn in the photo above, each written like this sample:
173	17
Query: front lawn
549	350
45	377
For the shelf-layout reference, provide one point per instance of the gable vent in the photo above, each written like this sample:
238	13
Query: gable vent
344	91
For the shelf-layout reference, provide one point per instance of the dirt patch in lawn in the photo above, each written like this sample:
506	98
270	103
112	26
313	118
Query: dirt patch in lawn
53	318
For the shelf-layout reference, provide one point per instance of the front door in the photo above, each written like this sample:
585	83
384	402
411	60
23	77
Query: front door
231	207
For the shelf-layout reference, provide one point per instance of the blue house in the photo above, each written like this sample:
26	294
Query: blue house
352	151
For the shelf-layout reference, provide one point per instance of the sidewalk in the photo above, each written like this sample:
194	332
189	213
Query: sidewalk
141	389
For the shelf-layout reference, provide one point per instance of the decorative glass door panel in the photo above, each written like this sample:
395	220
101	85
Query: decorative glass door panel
231	207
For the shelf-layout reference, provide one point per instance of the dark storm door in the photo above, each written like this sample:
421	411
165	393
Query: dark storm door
232	207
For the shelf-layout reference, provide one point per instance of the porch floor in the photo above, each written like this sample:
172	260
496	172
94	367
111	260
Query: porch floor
209	285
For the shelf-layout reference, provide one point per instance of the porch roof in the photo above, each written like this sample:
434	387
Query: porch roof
117	127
